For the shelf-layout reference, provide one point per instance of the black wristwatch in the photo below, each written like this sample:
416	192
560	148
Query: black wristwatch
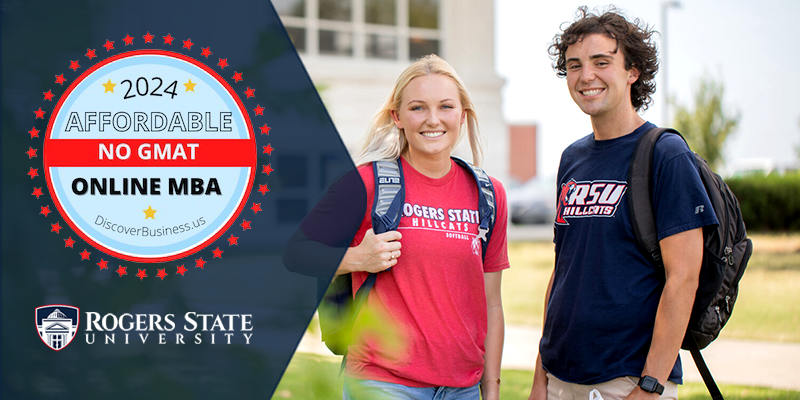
651	385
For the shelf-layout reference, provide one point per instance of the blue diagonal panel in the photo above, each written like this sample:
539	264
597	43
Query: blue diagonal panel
151	337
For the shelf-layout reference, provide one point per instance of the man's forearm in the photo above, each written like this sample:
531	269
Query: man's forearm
683	254
672	318
539	387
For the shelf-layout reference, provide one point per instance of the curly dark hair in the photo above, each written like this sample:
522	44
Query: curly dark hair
633	38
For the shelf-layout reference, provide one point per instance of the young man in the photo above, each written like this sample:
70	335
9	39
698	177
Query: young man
613	322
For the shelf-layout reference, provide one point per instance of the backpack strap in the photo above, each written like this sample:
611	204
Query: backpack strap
389	195
708	379
640	176
640	204
487	208
386	212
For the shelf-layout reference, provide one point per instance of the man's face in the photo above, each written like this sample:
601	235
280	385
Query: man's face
597	79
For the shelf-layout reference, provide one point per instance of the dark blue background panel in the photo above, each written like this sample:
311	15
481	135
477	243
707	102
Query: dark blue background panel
177	359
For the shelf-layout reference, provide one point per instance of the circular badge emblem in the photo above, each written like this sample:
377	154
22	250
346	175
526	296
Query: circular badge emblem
149	155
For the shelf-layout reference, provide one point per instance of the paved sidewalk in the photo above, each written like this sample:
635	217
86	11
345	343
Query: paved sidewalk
740	362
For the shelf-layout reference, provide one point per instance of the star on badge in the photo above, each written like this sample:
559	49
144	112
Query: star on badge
109	86
189	85
149	213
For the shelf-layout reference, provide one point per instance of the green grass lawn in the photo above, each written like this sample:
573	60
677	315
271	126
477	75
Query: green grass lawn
316	377
768	307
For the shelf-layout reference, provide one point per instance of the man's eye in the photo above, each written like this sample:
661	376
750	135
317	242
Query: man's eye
573	66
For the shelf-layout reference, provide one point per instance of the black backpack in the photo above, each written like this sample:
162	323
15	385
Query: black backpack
726	249
338	308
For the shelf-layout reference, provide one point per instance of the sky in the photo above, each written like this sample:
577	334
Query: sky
751	47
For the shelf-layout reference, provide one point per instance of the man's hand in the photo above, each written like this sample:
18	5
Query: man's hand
639	394
538	392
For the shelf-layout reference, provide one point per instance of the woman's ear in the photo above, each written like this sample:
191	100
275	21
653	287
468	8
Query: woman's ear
396	119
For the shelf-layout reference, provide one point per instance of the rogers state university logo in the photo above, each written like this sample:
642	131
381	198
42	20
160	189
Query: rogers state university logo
57	324
588	199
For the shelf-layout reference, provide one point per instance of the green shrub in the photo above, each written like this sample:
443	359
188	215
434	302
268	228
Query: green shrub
769	202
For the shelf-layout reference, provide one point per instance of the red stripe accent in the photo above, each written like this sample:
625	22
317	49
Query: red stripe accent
207	153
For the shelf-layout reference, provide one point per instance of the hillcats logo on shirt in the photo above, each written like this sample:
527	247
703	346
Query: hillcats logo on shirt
455	222
589	199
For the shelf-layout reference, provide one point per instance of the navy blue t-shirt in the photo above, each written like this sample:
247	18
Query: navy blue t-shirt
604	297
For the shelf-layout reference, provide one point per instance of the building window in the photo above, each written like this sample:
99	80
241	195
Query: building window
423	14
293	8
336	10
418	47
298	37
381	46
380	12
335	43
363	29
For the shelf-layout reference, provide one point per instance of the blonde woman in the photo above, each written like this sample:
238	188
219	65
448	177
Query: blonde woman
434	288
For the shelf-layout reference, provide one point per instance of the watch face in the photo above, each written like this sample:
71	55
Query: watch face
649	384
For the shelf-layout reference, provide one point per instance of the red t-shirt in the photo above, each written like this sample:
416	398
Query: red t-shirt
434	298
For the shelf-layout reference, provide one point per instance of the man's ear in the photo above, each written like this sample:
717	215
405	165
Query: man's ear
396	119
633	75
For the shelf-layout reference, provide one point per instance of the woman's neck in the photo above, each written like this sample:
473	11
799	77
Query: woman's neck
432	167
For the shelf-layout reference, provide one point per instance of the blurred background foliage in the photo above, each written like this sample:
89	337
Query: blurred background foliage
769	202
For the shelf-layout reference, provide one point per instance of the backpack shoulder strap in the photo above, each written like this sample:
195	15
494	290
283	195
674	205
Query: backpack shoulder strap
386	210
487	208
640	174
389	195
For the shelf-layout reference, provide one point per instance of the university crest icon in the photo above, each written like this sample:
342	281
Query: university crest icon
57	324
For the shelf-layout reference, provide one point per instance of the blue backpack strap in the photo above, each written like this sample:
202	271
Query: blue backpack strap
389	195
487	208
386	212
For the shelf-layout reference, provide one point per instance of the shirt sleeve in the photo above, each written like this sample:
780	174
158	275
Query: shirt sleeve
680	200
497	251
337	216
318	245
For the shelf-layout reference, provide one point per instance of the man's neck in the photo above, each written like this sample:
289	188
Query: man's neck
608	127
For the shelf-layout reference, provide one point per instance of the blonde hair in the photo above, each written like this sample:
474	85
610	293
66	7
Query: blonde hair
384	141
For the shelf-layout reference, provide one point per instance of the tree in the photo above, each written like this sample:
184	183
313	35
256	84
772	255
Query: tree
708	125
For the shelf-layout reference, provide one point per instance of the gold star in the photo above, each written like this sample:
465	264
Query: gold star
189	85
149	213
109	86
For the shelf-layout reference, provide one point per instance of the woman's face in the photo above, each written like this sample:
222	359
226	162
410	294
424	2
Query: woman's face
430	115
